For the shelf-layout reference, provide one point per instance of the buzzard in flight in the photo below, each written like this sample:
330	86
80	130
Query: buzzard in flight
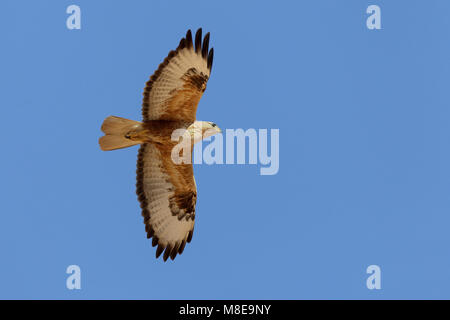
166	190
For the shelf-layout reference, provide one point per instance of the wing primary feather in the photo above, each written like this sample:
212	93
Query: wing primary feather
159	250
182	44
210	58
198	40
205	46
171	54
155	241
189	238
181	248
174	251
150	233
167	252
189	39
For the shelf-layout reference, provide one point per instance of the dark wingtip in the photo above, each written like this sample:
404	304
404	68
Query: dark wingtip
174	251
181	248
167	253
189	43
150	232
182	44
205	46
210	58
198	40
159	250
154	241
189	238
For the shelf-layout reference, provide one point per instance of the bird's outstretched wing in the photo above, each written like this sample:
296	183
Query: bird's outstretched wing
174	90
167	193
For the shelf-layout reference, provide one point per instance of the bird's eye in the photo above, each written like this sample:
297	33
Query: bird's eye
214	125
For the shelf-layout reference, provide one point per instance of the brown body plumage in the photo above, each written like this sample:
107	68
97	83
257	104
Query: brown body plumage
158	131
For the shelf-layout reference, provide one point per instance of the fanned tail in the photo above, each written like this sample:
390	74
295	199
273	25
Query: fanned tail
116	131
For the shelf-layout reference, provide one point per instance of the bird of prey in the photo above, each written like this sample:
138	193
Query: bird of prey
167	191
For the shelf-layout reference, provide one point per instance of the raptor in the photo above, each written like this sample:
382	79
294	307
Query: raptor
165	188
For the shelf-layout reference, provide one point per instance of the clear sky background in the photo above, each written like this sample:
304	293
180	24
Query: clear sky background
364	150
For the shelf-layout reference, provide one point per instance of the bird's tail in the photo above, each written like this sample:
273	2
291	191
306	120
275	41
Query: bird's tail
119	133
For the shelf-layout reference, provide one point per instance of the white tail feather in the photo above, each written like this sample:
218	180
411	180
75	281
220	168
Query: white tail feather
115	129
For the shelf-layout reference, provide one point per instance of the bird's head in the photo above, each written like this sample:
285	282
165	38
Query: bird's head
203	129
209	129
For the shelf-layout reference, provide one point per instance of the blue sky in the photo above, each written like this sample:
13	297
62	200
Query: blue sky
364	150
